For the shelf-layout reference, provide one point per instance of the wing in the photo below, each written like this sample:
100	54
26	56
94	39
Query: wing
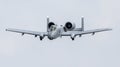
69	33
27	32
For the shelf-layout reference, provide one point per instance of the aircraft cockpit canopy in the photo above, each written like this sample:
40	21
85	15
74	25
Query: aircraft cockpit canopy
53	28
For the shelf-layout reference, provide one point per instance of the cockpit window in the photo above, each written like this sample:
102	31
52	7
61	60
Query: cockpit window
53	28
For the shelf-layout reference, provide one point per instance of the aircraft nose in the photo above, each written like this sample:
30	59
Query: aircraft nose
52	36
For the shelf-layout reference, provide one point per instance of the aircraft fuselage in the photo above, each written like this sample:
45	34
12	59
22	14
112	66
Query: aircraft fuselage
55	34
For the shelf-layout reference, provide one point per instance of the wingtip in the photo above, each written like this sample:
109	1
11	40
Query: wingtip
110	29
6	29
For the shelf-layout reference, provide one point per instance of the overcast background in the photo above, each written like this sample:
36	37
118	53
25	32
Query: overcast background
100	50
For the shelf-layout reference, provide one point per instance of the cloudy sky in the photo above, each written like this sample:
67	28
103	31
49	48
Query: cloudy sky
100	50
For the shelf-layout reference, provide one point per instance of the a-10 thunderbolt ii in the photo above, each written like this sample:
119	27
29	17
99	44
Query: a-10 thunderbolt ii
54	31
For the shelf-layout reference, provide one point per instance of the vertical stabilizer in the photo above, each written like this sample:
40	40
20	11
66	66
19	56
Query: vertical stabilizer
82	23
48	20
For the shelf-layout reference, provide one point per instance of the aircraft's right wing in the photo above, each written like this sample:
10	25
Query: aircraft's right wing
75	33
27	32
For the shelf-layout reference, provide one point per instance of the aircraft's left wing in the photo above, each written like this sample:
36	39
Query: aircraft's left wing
75	33
27	32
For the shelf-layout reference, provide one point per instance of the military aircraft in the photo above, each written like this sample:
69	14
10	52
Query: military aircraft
54	31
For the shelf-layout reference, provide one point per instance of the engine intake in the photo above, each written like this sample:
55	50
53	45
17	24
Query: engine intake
69	26
50	24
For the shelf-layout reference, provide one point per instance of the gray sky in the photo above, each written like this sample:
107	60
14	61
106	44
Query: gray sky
101	50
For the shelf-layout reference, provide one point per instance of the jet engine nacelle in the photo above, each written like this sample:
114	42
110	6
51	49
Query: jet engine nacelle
69	26
50	24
